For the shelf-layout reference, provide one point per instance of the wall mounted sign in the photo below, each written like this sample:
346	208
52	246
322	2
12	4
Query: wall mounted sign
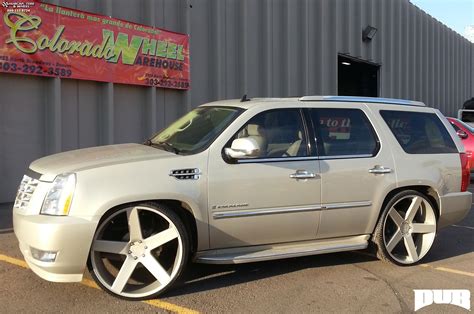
49	40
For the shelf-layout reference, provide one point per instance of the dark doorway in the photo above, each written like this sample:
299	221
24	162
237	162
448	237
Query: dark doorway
357	78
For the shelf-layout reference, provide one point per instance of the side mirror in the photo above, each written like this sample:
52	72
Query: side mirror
462	134
243	148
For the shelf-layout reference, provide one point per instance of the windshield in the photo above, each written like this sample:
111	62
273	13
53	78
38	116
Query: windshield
196	130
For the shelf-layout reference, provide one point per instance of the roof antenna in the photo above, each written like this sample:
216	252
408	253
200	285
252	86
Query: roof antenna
244	98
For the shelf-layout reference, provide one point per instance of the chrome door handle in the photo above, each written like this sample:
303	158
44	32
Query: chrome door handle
380	170
302	174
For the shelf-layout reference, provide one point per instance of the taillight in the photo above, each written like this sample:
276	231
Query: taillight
466	171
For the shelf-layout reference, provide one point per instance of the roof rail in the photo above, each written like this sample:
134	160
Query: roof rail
364	100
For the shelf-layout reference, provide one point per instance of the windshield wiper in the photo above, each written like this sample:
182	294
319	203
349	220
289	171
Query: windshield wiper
167	146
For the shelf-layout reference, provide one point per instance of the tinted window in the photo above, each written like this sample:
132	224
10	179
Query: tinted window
343	132
279	133
419	132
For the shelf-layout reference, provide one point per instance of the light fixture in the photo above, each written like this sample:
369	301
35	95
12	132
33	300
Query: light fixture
369	33
43	256
346	63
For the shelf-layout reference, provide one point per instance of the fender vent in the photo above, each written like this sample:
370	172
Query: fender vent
186	174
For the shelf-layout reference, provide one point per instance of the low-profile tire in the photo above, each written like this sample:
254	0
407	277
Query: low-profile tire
406	229
139	251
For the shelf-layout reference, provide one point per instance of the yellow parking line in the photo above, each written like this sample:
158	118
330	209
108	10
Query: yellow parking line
14	261
449	270
170	307
445	269
454	271
91	284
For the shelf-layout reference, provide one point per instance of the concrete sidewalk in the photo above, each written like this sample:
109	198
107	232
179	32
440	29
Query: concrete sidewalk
6	224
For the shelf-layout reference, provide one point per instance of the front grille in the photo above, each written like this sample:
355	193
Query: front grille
25	192
186	174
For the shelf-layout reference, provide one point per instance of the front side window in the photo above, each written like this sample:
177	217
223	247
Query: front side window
419	132
278	133
343	132
196	130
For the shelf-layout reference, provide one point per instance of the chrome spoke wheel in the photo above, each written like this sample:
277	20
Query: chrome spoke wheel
137	252
409	229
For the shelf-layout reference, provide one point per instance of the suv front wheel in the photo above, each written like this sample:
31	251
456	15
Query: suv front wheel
139	251
406	229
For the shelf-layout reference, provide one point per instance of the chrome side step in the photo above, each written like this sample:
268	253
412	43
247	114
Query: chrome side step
277	251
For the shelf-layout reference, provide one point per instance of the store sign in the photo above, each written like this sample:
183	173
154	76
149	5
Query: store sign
48	40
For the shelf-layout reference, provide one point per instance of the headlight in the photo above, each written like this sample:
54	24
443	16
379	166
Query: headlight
59	198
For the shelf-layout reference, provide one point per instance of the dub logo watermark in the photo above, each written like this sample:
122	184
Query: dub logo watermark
458	297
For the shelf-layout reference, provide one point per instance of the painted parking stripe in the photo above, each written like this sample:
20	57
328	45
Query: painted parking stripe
455	271
467	227
170	307
449	270
445	269
13	261
91	284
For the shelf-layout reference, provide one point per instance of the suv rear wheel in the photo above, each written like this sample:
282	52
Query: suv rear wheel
406	229
139	251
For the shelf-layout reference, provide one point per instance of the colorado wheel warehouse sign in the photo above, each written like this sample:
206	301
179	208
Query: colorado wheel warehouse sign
48	40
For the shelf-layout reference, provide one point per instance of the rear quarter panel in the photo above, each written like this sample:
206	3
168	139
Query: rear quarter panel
442	172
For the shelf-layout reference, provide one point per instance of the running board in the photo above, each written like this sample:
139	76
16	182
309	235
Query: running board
259	253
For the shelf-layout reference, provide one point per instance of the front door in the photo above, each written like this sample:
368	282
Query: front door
273	198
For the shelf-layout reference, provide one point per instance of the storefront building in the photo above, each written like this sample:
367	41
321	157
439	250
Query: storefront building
264	48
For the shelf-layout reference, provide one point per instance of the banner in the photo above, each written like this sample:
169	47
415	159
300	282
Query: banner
49	40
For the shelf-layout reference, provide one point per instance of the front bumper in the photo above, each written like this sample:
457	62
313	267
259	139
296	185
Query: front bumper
453	208
70	237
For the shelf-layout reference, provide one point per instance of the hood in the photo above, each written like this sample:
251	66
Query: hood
94	157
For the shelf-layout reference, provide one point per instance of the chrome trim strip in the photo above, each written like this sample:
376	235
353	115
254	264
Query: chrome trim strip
346	156
246	161
286	210
266	211
347	205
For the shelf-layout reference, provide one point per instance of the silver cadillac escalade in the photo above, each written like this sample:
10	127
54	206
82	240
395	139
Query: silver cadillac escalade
241	181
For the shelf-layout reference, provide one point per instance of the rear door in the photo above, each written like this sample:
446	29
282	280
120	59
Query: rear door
355	168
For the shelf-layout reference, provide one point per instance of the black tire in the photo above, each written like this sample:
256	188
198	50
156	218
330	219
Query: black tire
379	238
177	270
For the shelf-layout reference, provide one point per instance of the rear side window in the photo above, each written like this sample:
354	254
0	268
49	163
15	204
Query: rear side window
419	132
344	132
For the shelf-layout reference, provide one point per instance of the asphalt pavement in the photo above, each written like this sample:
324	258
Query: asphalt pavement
346	282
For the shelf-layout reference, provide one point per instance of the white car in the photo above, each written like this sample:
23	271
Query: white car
243	181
